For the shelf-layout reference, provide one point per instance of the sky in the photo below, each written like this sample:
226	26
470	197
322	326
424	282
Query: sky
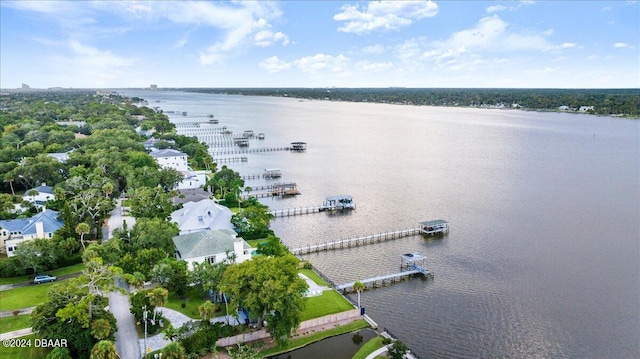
314	43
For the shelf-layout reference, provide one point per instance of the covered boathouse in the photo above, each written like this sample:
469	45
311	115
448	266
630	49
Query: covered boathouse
436	226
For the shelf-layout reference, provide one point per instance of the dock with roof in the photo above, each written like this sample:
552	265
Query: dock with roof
412	264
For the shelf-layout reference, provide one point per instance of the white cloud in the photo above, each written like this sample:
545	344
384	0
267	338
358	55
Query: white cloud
264	37
621	45
563	46
274	64
383	15
367	66
373	49
316	64
98	66
495	8
322	63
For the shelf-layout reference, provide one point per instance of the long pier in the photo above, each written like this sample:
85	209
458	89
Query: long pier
384	280
230	159
357	241
295	211
215	152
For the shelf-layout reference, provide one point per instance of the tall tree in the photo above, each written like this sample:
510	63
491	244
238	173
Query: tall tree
269	288
82	229
150	203
158	297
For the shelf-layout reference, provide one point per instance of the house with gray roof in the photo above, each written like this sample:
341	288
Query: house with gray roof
15	231
170	158
211	246
203	215
44	193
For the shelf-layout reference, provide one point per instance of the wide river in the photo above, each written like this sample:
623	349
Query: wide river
543	256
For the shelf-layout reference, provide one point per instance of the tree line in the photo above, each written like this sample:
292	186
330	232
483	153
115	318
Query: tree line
624	102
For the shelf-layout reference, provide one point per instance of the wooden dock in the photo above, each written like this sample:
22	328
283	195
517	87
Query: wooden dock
295	211
411	264
276	189
357	241
231	159
240	151
384	280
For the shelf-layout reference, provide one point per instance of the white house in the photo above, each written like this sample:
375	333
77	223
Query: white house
15	231
44	193
170	158
201	216
193	180
212	246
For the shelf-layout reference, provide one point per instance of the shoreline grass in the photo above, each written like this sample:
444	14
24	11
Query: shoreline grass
314	277
369	347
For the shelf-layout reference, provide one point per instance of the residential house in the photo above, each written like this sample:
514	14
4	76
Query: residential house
203	215
15	231
212	246
170	158
190	195
44	193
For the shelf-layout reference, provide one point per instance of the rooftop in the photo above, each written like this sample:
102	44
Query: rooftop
206	243
167	152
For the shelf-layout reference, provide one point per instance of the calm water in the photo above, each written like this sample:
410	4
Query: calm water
543	257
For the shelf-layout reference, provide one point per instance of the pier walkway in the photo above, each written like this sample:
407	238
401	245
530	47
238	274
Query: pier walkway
357	241
218	152
384	280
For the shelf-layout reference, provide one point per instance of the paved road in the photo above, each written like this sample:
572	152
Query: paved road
126	336
115	221
9	313
28	283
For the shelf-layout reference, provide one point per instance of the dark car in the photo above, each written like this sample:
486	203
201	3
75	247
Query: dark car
45	278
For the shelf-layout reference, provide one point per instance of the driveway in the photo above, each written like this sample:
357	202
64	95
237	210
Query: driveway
116	220
126	336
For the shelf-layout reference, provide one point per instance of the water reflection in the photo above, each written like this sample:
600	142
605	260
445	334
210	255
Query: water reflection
343	346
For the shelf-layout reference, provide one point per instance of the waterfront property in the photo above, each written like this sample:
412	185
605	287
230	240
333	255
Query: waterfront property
437	226
203	215
212	246
169	158
342	201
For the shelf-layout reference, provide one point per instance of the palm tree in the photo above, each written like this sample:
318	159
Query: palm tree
33	193
358	287
174	351
82	229
158	297
207	310
100	329
170	332
104	349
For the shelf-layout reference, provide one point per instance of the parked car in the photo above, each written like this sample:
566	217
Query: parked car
45	278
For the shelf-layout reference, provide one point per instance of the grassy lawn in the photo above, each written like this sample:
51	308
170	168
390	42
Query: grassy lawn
254	243
302	341
24	297
314	277
191	300
24	353
57	272
369	347
14	323
329	302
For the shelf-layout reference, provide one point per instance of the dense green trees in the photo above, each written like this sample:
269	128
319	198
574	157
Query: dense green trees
271	290
605	101
253	221
67	315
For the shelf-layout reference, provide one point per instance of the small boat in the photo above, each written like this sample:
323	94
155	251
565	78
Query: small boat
261	136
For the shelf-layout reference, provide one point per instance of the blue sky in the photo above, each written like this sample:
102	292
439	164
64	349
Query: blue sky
100	44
